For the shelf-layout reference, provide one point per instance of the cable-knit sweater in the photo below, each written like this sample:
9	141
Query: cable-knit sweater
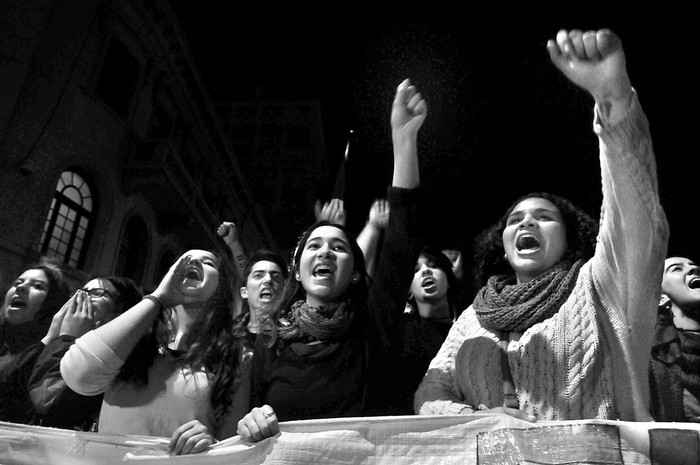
590	359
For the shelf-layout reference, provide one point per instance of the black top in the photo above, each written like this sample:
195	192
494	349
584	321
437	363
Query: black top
68	409
343	378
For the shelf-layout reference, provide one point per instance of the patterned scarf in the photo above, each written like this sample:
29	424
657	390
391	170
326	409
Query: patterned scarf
504	305
317	323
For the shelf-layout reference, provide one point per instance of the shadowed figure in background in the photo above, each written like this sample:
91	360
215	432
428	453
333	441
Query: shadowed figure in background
675	355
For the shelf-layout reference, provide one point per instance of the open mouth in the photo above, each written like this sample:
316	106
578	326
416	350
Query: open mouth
266	295
194	272
694	283
527	243
323	271
429	284
17	303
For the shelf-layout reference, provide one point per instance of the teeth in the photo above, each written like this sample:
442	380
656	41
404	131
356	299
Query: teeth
527	242
323	270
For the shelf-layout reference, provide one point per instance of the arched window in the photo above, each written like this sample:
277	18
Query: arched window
133	250
70	220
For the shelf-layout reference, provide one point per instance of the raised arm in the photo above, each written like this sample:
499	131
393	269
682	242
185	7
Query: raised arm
95	359
333	211
628	262
229	233
371	234
407	115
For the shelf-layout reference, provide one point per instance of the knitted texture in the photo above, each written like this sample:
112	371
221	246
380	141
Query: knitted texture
319	323
589	359
503	305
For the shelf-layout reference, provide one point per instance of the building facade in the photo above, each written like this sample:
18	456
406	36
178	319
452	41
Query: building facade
112	156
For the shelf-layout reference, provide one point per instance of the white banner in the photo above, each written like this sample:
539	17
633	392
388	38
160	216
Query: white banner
483	439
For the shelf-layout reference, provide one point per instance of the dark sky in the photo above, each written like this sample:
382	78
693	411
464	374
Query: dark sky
502	120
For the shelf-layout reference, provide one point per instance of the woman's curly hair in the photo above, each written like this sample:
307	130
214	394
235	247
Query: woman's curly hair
489	254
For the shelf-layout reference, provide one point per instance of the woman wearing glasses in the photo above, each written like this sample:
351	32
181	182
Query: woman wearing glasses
171	365
54	404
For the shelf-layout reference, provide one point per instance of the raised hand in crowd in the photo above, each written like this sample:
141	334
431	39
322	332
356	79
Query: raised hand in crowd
332	211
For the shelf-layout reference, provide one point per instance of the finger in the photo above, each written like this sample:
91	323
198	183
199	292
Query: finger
189	444
421	108
180	438
202	445
564	44
223	230
317	209
180	267
519	414
78	303
607	41
590	44
177	434
266	421
253	433
576	38
89	309
414	100
400	97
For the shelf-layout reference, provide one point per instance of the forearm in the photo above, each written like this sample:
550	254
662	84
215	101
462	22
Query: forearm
368	240
239	256
123	333
90	366
406	170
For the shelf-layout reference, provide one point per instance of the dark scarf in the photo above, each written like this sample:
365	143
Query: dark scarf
675	362
317	323
504	305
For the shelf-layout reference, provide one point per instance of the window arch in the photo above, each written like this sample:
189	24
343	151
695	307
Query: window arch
133	250
70	220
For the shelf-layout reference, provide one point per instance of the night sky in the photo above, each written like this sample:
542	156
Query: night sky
502	120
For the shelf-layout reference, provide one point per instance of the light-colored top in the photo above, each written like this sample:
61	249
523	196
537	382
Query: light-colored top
173	396
590	359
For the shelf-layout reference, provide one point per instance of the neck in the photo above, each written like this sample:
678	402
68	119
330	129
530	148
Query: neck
253	321
681	320
438	310
313	301
182	319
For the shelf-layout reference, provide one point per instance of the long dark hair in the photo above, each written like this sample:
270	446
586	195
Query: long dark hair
440	261
214	345
57	294
581	233
128	292
294	291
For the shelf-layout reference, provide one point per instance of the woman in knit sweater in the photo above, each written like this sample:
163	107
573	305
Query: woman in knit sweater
562	336
321	356
173	365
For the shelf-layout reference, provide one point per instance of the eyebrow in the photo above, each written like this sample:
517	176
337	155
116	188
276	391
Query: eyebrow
672	264
332	239
537	210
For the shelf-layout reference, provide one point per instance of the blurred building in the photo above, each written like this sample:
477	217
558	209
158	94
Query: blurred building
281	148
112	156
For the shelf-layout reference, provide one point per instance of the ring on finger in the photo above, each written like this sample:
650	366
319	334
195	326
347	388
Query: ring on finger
270	414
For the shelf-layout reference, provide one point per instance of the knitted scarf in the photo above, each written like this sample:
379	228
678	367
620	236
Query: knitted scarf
317	323
504	305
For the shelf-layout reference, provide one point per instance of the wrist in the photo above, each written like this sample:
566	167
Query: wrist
156	300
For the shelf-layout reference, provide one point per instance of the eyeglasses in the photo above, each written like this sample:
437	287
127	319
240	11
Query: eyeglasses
96	292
